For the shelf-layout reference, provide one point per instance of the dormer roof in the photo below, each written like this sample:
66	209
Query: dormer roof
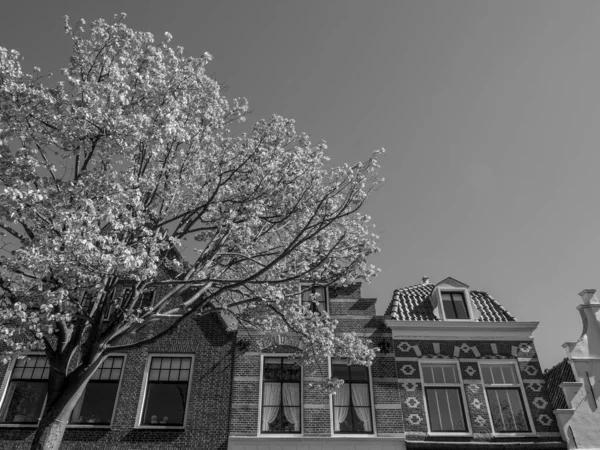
413	303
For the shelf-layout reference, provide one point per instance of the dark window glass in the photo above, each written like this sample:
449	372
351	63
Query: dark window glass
166	394
117	302
508	413
145	300
444	398
96	405
503	391
455	306
352	400
281	407
315	297
26	391
445	409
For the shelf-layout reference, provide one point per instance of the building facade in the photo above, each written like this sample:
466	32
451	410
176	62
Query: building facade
575	382
468	373
172	394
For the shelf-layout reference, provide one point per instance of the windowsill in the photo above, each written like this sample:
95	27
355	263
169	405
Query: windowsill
281	435
160	427
19	425
88	425
449	434
500	435
351	435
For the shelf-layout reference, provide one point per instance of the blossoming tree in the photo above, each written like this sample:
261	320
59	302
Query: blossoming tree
131	156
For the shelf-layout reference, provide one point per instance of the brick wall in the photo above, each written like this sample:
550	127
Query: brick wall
209	401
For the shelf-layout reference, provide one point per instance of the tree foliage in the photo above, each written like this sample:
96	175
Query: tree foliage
136	154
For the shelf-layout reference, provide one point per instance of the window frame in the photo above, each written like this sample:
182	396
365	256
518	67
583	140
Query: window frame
4	390
467	298
522	392
460	385
144	390
260	399
373	433
112	417
307	286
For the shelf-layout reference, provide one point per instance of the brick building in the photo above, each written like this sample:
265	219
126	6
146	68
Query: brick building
574	383
366	412
161	396
468	373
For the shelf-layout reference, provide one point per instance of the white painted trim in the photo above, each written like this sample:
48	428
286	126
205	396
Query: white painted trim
138	419
462	330
459	385
372	408
523	397
260	397
6	383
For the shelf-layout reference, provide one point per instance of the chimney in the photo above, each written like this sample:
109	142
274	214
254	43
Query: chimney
425	280
589	296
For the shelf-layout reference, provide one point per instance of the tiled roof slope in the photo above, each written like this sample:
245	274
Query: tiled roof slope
554	377
412	303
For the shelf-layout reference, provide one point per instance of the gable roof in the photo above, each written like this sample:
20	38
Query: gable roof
412	303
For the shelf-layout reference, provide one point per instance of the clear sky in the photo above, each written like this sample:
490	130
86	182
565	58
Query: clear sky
489	112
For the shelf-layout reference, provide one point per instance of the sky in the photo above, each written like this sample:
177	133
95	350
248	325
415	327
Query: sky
489	113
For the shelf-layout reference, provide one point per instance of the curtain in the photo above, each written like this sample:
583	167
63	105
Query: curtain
341	401
271	397
360	400
291	397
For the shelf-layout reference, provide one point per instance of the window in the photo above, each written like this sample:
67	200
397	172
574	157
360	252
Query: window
281	412
120	300
444	398
167	391
96	405
352	400
26	391
145	300
315	297
505	398
455	305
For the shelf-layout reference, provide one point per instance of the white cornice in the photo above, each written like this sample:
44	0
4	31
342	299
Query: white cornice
485	331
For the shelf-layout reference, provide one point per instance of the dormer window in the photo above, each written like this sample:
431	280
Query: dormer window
455	305
314	297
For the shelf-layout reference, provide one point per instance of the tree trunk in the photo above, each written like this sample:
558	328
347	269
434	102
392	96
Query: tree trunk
63	395
50	433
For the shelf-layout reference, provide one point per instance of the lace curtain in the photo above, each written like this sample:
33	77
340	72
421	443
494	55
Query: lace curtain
291	396
360	400
271	396
341	401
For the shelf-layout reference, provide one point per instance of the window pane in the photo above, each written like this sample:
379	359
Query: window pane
272	371
487	374
449	309
450	374
341	396
427	374
24	401
291	372
438	374
96	405
165	404
272	394
510	377
461	308
508	414
359	373
497	376
341	371
445	409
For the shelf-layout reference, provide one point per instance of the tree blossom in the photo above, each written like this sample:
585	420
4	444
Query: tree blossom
134	158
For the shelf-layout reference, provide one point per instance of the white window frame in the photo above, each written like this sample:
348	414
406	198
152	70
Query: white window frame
466	295
260	398
460	385
112	417
307	286
142	402
4	390
331	418
521	386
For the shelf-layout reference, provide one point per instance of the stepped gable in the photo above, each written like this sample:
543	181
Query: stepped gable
412	303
